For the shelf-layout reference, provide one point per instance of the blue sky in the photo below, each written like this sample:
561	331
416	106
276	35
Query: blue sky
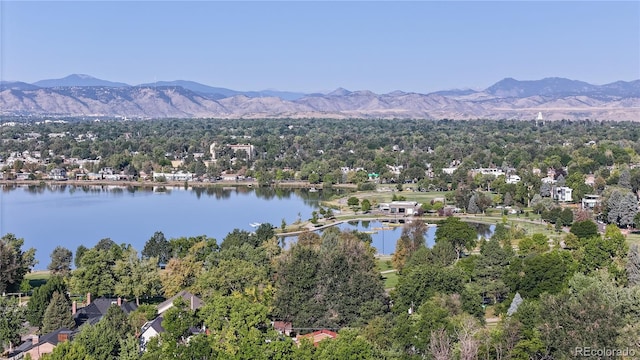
419	46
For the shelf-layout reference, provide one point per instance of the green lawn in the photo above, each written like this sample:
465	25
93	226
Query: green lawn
390	276
384	263
37	278
633	238
390	280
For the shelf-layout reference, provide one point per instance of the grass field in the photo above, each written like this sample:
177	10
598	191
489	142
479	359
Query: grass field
389	274
37	278
390	280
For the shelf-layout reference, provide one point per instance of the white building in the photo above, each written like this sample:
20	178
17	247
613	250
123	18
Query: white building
589	201
562	193
177	176
513	179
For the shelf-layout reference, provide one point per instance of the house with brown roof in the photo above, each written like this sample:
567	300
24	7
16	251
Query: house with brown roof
38	346
317	336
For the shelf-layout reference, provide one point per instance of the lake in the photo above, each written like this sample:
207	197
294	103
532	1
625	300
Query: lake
66	215
69	216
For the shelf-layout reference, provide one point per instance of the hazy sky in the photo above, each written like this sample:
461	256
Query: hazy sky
417	46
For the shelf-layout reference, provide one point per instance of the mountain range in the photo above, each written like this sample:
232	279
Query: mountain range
556	98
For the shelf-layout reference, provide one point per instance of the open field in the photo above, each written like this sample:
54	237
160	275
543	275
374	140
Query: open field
37	278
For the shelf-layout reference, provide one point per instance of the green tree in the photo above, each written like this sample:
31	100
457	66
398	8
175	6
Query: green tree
96	272
79	253
422	282
14	263
622	207
158	247
411	240
584	229
314	178
58	314
60	261
264	232
348	345
11	321
633	266
489	270
41	297
586	319
136	277
458	233
232	275
535	244
365	205
330	285
104	339
353	201
536	274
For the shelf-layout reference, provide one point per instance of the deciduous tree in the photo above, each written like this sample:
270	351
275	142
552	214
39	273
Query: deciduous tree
60	261
14	262
458	233
11	321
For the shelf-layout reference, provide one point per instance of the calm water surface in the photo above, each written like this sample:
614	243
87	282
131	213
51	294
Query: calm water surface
48	216
67	215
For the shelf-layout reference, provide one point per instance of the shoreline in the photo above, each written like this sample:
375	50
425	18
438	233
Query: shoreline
189	184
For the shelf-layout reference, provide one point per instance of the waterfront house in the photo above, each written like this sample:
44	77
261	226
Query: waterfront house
58	174
402	208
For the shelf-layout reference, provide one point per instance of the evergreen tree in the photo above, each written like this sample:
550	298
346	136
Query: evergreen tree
633	266
41	298
622	208
473	208
58	314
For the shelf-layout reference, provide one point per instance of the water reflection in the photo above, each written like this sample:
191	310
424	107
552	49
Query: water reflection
310	198
385	235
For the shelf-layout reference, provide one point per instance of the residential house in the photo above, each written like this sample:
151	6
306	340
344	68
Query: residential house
589	201
149	330
23	176
95	310
58	174
192	300
449	170
283	327
38	346
176	176
562	193
403	208
317	336
513	179
229	177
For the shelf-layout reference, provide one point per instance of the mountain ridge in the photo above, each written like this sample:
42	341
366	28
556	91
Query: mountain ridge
556	98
